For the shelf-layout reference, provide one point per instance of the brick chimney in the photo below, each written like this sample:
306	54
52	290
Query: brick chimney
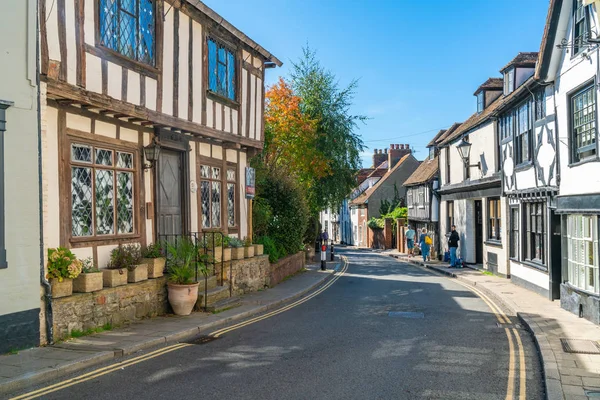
379	157
396	152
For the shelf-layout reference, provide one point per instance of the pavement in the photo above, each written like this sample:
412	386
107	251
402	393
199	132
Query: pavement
567	375
381	329
30	367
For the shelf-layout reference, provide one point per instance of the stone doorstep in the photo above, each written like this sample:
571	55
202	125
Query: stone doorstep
33	378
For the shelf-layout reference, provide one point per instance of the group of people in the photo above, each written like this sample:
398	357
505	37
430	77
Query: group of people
425	243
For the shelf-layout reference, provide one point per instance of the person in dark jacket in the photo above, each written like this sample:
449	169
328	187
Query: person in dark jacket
453	245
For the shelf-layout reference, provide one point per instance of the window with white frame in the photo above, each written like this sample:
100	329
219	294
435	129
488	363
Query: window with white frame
509	81
523	134
580	27
409	198
210	196
535	232
582	252
494	218
102	191
583	123
480	101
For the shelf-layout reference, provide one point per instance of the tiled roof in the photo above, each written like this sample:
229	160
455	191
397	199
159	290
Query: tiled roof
425	172
436	137
522	59
448	133
491	83
362	199
365	173
547	45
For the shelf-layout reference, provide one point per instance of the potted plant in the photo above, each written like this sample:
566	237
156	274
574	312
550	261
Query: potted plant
222	249
237	248
90	279
182	264
259	249
248	248
63	267
136	270
153	257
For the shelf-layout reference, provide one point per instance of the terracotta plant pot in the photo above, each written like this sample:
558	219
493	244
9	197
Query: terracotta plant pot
86	283
259	249
114	277
61	289
137	273
182	297
249	252
156	266
237	253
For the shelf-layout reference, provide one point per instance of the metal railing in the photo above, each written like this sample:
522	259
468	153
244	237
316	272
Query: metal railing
207	247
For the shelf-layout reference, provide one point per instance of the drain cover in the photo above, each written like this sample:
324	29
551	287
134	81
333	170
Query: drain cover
202	340
406	314
580	346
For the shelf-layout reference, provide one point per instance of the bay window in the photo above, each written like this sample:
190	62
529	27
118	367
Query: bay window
582	252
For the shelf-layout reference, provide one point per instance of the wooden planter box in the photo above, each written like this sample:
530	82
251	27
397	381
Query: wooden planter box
225	252
259	249
86	283
61	289
237	253
156	266
138	273
114	277
249	252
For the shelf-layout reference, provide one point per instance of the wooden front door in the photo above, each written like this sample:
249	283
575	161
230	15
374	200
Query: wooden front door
170	193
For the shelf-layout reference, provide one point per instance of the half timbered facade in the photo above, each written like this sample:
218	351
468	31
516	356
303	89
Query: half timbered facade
121	75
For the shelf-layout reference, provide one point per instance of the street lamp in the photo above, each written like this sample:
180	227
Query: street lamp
464	149
151	152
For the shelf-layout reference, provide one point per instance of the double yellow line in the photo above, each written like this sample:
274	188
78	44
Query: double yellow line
114	367
99	372
503	319
286	308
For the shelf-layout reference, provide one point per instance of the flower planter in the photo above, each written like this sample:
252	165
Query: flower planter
182	297
137	273
259	249
237	253
114	277
156	266
224	253
249	252
86	283
61	289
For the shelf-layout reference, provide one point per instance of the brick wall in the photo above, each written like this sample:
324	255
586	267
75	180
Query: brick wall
286	267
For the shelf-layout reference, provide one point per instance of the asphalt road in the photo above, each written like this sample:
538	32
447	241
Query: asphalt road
344	344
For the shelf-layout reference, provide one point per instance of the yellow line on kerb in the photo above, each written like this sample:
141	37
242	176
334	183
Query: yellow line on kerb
220	332
99	372
511	367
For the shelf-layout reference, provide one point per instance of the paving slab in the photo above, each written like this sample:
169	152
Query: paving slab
567	375
33	366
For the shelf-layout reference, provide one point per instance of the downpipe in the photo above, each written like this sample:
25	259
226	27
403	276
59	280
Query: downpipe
43	280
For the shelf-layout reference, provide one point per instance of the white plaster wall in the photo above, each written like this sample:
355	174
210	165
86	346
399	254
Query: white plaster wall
258	108
234	127
50	177
151	97
52	30
115	78
93	73
71	43
483	149
217	152
129	135
218	116
167	81
244	94
106	129
133	87
184	39
205	149
242	196
252	106
78	122
227	126
88	25
197	73
530	275
209	113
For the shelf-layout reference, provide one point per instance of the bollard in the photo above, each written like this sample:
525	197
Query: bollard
323	257
317	246
332	255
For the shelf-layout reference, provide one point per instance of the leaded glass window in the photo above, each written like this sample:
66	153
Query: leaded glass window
102	191
128	27
231	197
221	69
210	196
583	123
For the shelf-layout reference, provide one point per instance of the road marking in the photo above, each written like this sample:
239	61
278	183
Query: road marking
99	372
511	367
522	370
222	331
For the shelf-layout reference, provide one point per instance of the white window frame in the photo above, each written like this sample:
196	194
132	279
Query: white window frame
579	244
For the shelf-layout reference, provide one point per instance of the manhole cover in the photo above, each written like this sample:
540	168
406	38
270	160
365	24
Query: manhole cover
580	346
202	340
406	314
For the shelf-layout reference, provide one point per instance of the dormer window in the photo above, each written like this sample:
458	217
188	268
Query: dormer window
509	81
580	27
480	101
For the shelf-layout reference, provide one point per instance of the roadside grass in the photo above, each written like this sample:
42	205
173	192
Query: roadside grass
76	333
222	310
488	273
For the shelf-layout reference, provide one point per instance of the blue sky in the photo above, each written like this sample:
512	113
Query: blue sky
418	62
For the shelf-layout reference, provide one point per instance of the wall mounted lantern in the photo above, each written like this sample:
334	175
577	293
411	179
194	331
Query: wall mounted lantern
151	152
464	149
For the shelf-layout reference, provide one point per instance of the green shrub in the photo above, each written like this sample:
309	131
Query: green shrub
270	248
376	223
153	250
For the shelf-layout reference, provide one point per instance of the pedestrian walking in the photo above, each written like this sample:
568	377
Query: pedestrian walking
425	243
324	238
410	240
453	246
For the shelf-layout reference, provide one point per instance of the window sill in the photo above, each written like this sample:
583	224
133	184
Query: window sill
523	166
221	99
584	161
535	265
493	242
117	58
103	240
578	289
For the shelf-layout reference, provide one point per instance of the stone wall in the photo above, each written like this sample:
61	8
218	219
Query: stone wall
117	305
250	274
286	267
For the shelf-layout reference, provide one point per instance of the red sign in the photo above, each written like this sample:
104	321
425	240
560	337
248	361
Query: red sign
324	248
